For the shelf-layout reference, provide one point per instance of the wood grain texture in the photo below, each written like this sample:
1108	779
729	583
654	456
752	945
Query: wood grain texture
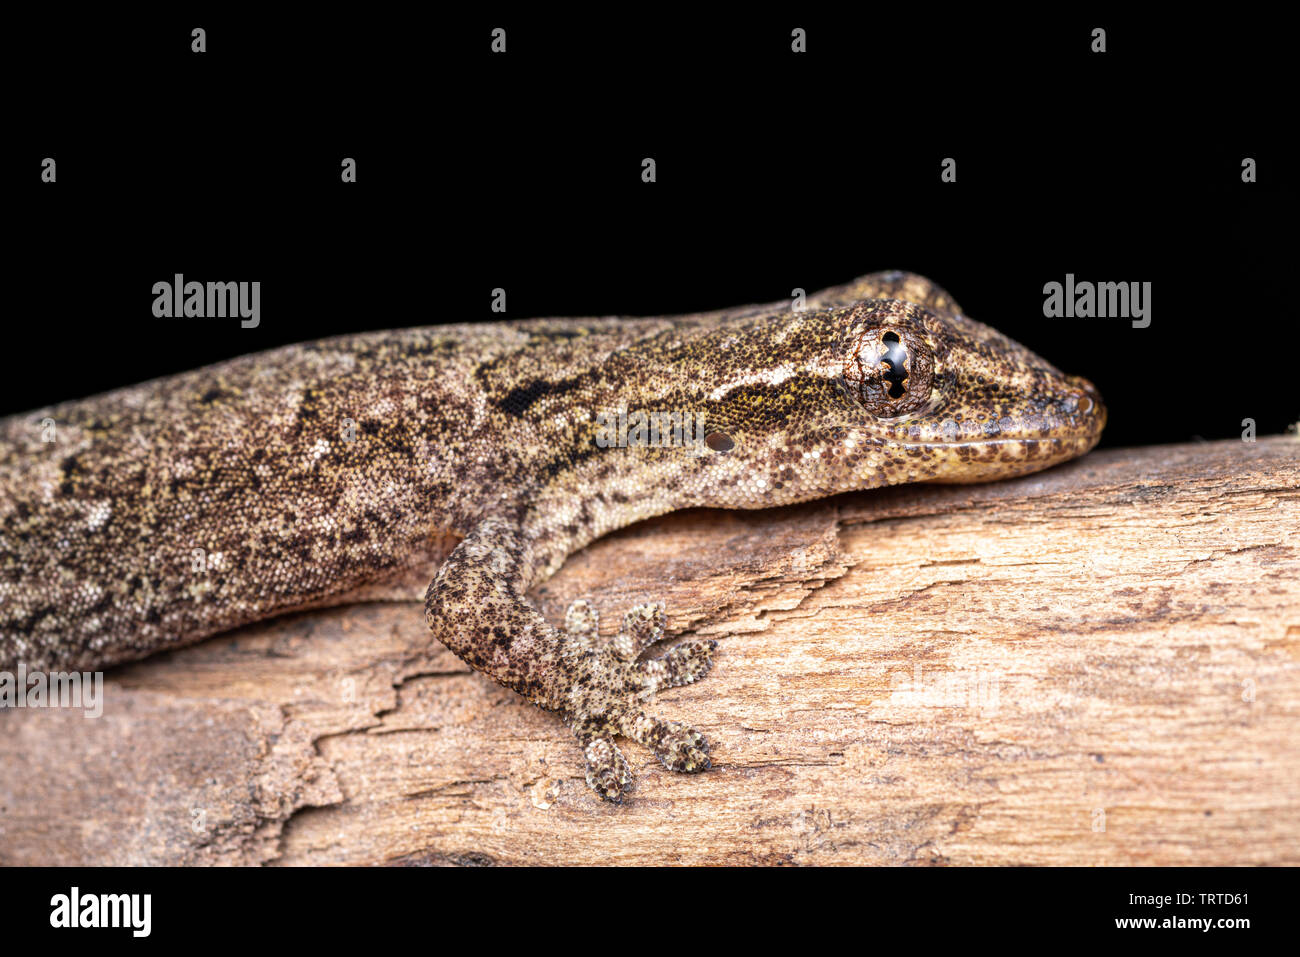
1099	664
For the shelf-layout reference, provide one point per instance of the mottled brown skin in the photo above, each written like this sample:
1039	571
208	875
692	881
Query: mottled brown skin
488	433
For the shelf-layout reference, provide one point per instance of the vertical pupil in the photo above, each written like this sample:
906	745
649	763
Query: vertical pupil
896	358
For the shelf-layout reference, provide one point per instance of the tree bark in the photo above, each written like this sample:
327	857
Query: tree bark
1099	664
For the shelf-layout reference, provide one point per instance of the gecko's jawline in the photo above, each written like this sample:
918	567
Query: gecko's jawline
992	443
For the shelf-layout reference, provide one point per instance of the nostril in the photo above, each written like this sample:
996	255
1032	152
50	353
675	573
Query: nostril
1083	403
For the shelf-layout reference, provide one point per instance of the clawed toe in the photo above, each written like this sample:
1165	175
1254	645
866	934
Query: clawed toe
685	750
682	665
607	770
582	623
642	627
677	746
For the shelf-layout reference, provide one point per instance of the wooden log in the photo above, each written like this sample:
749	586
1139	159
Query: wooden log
1099	664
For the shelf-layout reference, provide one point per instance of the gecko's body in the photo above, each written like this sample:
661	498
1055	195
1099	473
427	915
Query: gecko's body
153	516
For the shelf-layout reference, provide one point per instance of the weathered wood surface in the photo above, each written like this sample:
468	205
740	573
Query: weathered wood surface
1095	665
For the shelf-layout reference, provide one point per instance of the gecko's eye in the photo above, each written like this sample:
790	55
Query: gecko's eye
889	371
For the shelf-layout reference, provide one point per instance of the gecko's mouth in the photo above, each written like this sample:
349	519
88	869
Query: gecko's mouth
1054	430
1031	441
1074	418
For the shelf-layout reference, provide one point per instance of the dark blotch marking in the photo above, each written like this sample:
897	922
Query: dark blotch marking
520	400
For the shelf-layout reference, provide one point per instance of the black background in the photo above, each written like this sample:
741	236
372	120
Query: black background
748	911
775	171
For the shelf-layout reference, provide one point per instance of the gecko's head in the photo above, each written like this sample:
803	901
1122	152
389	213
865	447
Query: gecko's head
884	392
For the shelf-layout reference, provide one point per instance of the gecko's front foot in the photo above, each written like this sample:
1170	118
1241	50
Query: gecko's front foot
610	684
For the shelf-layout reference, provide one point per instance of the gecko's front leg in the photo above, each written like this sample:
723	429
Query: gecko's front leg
478	607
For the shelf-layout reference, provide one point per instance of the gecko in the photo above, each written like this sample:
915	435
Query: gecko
467	458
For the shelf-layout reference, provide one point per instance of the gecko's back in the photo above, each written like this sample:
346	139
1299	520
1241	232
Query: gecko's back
158	514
